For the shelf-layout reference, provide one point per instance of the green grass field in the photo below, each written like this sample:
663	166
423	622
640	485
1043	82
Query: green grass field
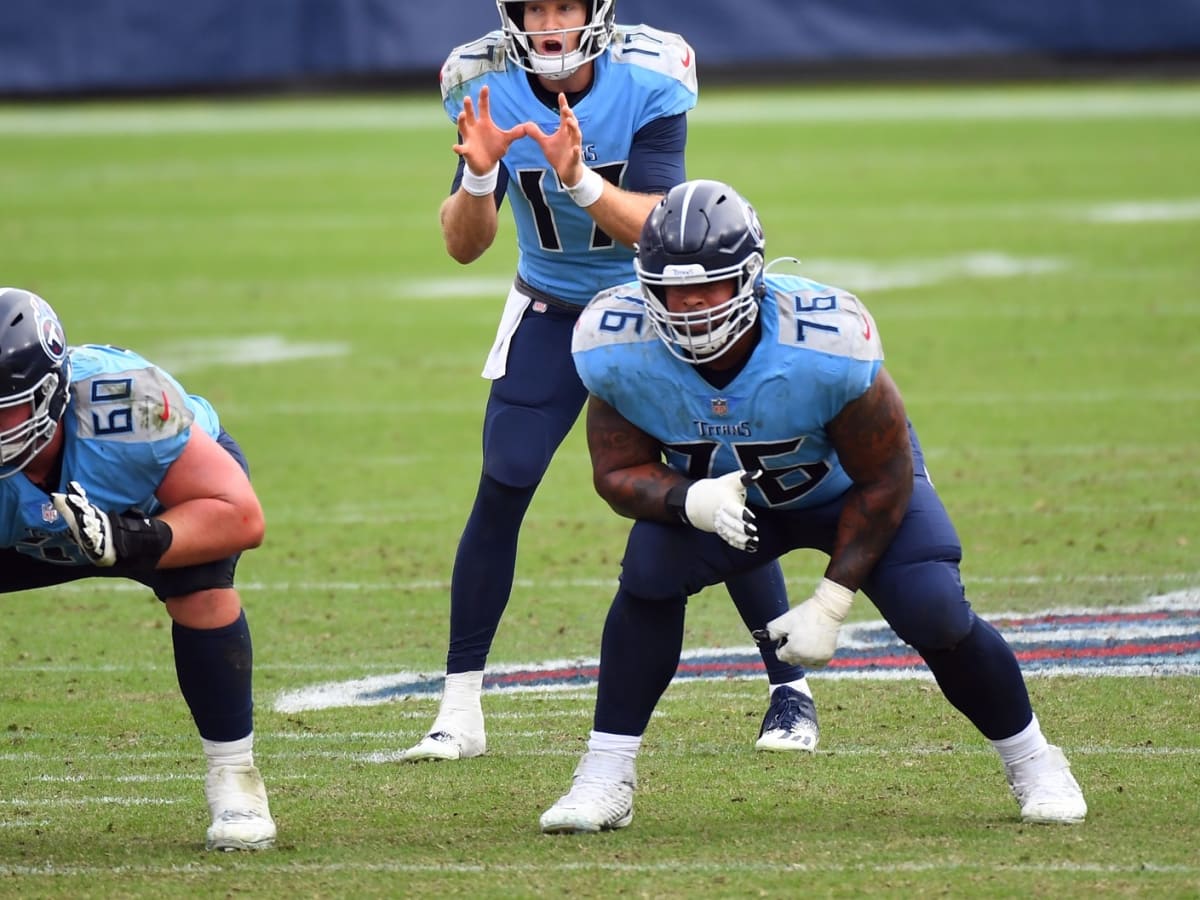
1032	258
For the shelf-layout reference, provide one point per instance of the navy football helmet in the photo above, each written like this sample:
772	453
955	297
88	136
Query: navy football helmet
594	36
702	231
35	372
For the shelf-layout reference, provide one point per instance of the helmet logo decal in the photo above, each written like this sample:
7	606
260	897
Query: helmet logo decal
50	331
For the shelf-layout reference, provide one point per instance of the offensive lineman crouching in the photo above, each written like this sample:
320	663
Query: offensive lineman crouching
109	469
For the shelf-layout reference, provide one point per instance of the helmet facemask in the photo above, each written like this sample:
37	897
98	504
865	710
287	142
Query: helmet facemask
704	335
21	443
594	36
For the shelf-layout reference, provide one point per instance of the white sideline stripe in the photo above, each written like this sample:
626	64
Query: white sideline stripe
90	801
185	356
232	117
1137	213
392	754
860	275
148	779
666	867
568	583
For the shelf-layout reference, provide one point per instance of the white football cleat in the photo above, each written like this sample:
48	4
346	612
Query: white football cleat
790	723
241	819
600	799
457	734
1046	789
445	745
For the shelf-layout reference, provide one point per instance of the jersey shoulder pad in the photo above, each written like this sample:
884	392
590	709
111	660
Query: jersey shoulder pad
118	395
614	316
660	51
824	318
467	62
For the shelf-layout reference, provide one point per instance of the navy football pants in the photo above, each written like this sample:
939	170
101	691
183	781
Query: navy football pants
916	586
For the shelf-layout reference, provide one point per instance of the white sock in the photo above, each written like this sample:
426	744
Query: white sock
801	685
1022	745
624	745
229	753
461	693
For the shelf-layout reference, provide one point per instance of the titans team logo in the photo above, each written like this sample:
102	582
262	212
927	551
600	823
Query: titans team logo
50	331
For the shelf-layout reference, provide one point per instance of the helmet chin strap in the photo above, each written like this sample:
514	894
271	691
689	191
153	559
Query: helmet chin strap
555	68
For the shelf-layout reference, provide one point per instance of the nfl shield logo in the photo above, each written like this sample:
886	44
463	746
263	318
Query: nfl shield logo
720	406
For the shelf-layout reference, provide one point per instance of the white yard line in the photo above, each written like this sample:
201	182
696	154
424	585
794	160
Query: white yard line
424	112
923	864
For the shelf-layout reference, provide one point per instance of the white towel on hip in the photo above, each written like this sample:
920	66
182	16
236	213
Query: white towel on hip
497	359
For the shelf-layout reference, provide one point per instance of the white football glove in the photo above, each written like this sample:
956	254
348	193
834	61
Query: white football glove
719	505
105	539
89	525
808	633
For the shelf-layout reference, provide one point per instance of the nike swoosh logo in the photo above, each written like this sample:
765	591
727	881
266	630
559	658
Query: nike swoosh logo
687	58
166	410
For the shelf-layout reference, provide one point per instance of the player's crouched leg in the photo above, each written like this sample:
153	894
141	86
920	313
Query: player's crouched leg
214	661
668	560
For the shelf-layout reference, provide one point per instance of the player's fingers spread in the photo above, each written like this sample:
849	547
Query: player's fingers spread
533	130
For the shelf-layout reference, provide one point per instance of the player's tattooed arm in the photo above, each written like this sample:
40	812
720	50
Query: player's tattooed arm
627	467
870	435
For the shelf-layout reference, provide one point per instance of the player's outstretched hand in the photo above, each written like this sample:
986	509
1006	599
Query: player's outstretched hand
719	505
483	142
808	633
563	147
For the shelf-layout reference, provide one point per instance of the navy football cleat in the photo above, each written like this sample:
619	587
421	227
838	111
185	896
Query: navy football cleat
790	723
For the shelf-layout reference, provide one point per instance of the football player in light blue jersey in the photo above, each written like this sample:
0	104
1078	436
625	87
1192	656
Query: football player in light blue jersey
109	469
780	428
582	125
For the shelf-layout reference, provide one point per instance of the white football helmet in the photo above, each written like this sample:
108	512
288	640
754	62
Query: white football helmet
594	36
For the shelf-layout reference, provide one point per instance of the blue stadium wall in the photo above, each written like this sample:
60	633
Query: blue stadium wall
50	47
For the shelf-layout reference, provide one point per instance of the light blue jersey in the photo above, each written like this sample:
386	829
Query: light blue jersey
819	351
125	423
644	75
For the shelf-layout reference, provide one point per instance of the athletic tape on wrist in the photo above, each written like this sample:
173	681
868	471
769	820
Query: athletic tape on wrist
589	189
480	185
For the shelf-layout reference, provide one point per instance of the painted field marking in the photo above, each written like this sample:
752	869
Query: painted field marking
1159	637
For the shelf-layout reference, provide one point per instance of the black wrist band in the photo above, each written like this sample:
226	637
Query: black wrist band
677	501
140	541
